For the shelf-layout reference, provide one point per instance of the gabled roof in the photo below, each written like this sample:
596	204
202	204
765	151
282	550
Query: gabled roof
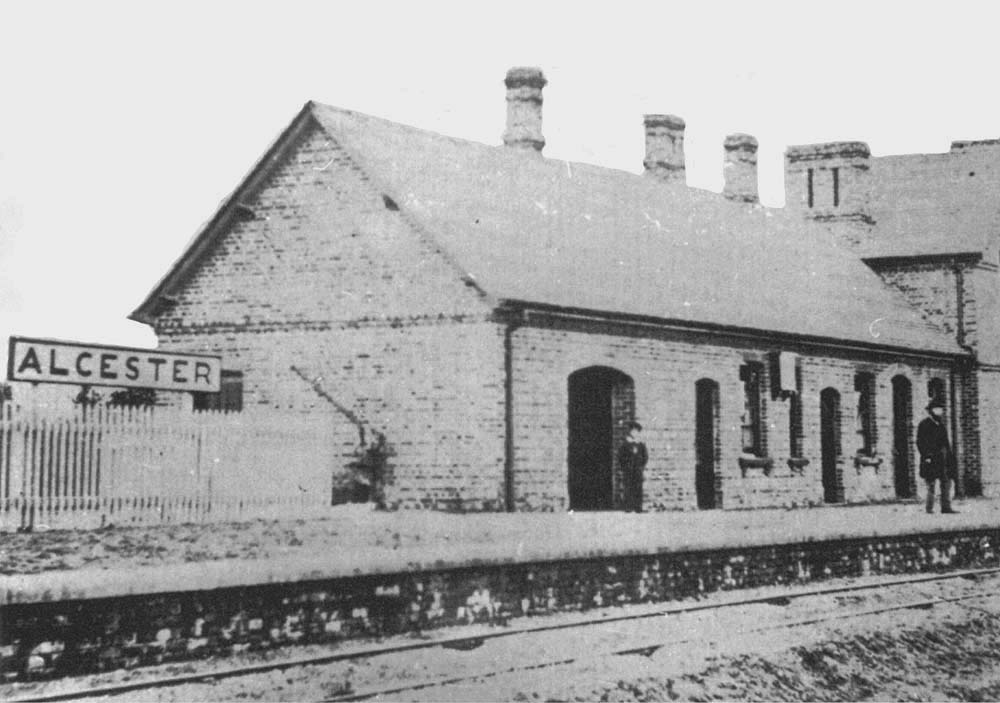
927	204
577	236
581	236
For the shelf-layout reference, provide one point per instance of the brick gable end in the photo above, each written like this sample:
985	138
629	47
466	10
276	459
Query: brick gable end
318	243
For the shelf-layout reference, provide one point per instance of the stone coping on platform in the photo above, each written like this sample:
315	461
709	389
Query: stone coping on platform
495	539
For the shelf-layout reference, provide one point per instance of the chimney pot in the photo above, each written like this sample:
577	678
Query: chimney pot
524	109
664	148
740	168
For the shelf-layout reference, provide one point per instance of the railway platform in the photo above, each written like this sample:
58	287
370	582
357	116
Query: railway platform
356	541
78	602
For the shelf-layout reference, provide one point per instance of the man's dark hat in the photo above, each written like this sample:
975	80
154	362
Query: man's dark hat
634	426
936	403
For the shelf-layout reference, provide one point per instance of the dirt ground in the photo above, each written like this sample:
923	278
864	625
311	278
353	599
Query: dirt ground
883	659
133	547
947	653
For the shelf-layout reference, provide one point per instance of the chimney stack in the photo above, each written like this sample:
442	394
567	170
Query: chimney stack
740	168
524	109
665	148
830	182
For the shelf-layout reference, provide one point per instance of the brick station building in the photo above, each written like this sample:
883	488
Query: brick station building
499	317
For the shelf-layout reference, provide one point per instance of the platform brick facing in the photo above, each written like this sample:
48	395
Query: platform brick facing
75	637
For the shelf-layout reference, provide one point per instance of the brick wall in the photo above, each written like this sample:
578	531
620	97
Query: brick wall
433	389
77	637
981	302
328	277
968	409
324	244
961	298
664	371
932	288
988	382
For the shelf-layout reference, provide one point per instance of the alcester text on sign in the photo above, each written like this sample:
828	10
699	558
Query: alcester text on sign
52	361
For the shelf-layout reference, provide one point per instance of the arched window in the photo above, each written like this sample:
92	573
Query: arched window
867	428
752	422
902	437
832	473
796	429
708	487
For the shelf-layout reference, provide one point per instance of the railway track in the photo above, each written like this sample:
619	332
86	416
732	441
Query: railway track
474	641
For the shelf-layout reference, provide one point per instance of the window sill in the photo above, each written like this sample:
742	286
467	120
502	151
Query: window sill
797	464
863	460
756	465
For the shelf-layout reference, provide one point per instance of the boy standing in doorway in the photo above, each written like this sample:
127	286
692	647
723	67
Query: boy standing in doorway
632	458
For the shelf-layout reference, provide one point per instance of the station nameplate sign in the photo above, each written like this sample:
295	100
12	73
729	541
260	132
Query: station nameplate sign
53	361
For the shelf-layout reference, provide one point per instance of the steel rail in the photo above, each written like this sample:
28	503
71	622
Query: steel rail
457	641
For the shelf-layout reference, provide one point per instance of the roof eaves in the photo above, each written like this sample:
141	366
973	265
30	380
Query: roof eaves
957	257
231	207
524	307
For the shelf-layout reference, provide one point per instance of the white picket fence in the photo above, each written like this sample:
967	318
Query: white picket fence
93	467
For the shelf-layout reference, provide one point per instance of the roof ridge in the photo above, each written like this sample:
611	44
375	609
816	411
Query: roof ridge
315	105
462	142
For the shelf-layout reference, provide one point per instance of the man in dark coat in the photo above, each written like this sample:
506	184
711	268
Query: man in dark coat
937	463
632	458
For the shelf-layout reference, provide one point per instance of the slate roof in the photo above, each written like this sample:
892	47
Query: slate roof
582	237
579	236
935	203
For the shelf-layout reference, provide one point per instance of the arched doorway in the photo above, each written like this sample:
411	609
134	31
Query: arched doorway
902	432
829	428
601	403
706	440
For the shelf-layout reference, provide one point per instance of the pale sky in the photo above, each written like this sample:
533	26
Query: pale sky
124	124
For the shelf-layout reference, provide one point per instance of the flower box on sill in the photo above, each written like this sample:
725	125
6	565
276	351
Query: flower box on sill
862	460
756	465
797	464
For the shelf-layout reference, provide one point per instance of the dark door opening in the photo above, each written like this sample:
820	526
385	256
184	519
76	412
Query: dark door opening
600	404
829	422
706	440
902	424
